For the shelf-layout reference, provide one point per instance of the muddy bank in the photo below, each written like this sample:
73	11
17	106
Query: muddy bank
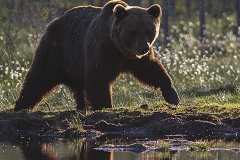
64	124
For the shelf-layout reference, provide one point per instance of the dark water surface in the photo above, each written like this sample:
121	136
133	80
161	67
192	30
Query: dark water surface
83	149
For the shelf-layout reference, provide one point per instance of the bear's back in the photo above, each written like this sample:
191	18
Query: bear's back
73	21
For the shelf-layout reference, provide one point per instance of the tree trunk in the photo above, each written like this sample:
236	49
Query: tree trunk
202	21
102	2
224	4
138	2
237	5
188	12
172	7
165	22
214	10
11	7
91	2
29	11
50	11
20	11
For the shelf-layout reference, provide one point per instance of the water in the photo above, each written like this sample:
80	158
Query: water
83	149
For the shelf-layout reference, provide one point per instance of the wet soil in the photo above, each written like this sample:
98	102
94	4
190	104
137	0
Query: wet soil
68	124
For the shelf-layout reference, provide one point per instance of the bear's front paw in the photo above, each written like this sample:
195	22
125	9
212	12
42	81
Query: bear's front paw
170	95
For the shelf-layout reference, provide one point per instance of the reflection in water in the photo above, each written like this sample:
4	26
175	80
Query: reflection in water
82	149
35	149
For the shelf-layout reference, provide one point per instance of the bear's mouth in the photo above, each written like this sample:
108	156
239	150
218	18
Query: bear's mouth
139	56
141	52
141	49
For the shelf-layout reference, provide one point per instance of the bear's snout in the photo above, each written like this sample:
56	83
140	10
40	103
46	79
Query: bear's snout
142	49
145	50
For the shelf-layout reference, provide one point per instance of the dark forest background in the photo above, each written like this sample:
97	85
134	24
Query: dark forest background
40	12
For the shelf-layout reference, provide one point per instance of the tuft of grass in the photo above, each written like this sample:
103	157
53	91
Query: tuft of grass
202	145
76	122
163	145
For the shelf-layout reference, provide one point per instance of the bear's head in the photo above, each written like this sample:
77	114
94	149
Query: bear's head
135	29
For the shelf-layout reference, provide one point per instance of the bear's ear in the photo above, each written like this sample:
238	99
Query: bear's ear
120	11
155	11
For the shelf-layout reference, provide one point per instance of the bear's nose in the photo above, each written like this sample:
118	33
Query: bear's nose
145	50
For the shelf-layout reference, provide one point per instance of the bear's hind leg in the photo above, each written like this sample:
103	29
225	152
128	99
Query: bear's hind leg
78	94
38	82
79	98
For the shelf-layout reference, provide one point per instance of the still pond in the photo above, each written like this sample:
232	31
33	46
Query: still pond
115	148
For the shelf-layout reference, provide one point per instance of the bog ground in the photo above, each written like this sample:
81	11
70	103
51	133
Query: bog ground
196	120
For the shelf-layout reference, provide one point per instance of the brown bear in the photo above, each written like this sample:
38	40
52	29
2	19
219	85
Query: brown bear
88	47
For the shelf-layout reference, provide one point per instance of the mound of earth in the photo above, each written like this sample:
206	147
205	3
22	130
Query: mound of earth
73	123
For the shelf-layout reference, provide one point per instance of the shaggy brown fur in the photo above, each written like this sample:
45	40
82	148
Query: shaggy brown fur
88	47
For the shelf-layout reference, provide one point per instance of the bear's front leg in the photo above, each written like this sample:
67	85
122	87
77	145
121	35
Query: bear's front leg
151	72
98	92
